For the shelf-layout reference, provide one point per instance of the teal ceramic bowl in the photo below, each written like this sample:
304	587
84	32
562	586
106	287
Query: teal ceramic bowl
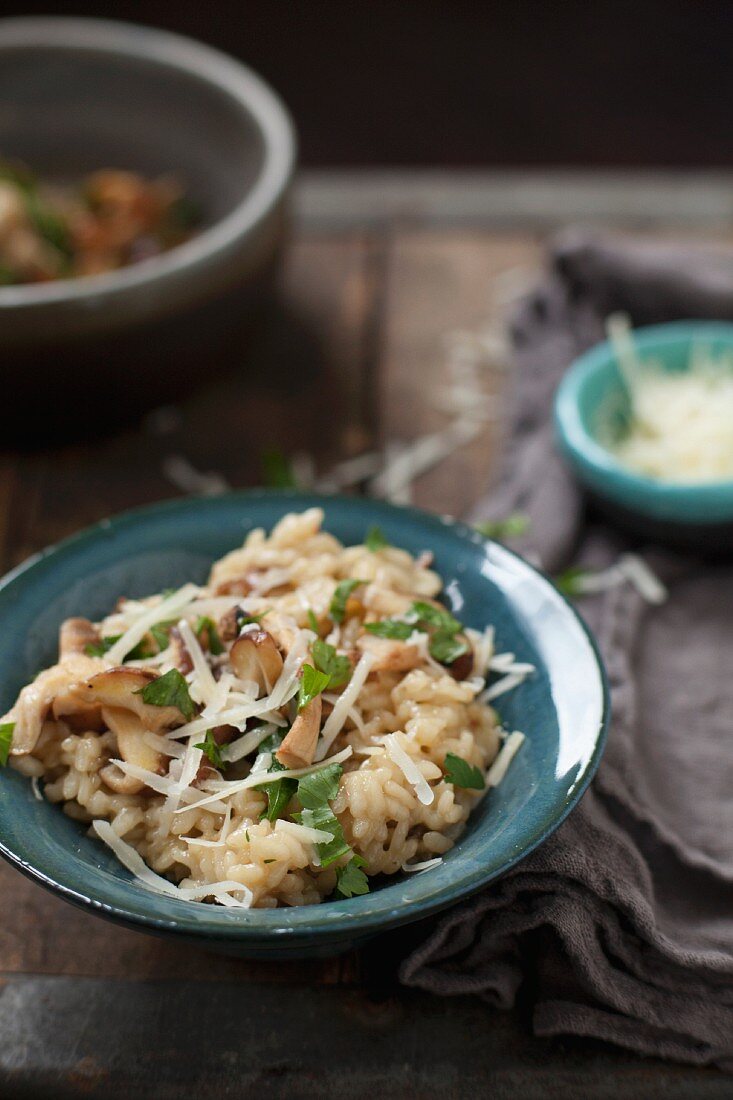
675	511
563	709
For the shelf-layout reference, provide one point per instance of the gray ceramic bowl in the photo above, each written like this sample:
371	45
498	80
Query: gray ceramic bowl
80	94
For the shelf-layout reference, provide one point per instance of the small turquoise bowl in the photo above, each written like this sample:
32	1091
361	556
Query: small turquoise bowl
562	708
677	512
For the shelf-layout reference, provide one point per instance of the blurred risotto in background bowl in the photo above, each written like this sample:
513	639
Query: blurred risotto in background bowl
107	220
143	208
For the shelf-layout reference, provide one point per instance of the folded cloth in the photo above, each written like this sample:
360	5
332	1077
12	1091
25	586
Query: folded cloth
620	925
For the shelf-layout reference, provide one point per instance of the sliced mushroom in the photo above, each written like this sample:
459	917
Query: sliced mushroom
389	654
228	625
181	656
75	635
254	656
36	698
120	687
299	745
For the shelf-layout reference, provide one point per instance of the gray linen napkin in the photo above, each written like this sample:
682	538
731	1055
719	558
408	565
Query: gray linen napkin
621	924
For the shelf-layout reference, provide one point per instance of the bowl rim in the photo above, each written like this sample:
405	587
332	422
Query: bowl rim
174	51
683	502
342	924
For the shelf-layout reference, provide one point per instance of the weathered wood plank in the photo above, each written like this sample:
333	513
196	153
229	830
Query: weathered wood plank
164	1040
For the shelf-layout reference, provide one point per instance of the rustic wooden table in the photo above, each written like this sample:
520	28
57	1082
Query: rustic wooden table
352	358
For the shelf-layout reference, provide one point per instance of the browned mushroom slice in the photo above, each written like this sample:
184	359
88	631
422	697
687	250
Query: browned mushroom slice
75	635
120	687
36	698
299	745
181	656
133	748
228	625
254	656
390	655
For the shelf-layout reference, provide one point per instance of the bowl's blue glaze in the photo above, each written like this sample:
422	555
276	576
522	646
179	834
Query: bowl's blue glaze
563	710
594	383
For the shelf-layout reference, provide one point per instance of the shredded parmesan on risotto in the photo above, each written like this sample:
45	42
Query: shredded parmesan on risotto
278	736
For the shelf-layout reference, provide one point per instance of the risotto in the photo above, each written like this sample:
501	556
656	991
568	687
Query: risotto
312	717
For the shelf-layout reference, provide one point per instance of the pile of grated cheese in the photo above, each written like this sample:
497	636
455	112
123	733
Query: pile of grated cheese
681	426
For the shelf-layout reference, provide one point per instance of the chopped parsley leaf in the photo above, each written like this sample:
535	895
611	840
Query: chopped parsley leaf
446	648
375	539
98	649
278	791
570	581
313	621
169	690
324	818
351	880
462	774
344	589
390	628
269	861
6	740
444	645
206	626
336	666
312	683
319	788
212	749
511	527
435	616
277	470
161	634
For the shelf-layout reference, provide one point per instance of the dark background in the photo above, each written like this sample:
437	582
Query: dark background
499	83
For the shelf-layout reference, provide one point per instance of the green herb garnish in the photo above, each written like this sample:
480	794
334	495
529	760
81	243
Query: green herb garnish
344	589
351	880
570	581
446	648
444	645
6	740
169	690
269	861
438	617
462	774
324	818
278	791
98	649
205	626
312	683
212	749
375	539
319	788
391	628
277	470
313	621
336	666
514	525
